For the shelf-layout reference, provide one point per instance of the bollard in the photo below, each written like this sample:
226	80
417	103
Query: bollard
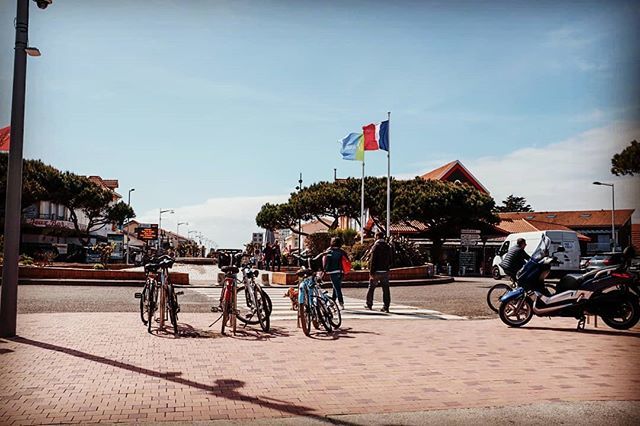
265	280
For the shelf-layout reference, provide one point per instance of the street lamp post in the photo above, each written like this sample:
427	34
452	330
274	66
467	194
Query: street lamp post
299	188
178	227
613	214
13	210
128	221
170	211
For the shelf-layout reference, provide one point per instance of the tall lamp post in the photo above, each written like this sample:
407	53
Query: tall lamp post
299	188
613	214
13	210
170	211
128	221
178	227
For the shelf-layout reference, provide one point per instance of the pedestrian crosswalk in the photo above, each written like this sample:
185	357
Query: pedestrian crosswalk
353	308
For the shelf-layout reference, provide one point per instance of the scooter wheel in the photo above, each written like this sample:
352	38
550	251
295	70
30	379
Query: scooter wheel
516	312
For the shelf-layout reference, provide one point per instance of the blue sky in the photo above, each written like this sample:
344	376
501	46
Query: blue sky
212	108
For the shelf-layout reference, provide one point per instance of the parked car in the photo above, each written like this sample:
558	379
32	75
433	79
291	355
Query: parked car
584	261
603	260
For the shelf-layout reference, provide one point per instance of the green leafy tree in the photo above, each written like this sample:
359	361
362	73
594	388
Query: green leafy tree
514	204
278	216
627	162
39	180
444	207
91	207
326	200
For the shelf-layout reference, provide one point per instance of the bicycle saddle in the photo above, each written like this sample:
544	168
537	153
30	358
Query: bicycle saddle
230	269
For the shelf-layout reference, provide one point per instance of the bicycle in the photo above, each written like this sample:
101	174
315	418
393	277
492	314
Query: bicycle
257	304
228	299
164	291
145	295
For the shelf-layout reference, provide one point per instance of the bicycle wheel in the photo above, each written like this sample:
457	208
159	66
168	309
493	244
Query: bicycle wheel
172	306
267	299
495	293
144	303
323	315
335	317
246	307
226	309
305	316
262	310
153	303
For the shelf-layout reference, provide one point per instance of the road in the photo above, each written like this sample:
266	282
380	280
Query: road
464	297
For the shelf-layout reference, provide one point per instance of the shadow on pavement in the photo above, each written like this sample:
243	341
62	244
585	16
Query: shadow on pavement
341	333
633	334
223	388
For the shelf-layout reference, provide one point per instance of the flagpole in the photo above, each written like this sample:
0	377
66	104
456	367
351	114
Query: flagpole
362	206
389	175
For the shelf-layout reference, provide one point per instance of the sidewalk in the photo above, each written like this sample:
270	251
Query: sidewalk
83	368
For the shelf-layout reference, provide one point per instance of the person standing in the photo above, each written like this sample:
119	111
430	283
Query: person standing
379	272
332	265
277	256
268	253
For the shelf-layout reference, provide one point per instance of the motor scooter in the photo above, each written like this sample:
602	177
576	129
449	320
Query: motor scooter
611	293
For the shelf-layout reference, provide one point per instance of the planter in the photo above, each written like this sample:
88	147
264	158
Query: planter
91	274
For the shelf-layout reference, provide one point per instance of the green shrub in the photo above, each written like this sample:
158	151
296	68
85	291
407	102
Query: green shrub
405	253
348	236
25	260
318	242
358	250
358	265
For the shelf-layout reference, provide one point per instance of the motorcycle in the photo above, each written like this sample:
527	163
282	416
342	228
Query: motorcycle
611	293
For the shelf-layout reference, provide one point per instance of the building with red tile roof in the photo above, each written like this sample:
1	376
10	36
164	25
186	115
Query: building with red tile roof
455	171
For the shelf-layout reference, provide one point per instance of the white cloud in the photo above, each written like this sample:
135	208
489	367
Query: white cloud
227	221
559	176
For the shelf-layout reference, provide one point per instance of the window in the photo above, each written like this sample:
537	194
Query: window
504	248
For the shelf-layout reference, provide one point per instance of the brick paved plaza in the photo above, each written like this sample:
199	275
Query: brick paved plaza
104	367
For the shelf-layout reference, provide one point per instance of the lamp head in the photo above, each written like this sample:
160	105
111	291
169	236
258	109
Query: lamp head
42	4
597	183
32	51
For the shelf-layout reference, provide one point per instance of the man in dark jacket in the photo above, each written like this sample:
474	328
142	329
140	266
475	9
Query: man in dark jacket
379	266
515	259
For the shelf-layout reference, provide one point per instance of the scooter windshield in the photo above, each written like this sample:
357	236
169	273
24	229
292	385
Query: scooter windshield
542	248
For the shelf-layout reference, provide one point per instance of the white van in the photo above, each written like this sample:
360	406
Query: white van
570	258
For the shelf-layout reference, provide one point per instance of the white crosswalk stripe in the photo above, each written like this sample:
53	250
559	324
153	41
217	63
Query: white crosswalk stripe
353	308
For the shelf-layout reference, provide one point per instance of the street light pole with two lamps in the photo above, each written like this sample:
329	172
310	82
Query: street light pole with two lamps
13	208
170	211
613	214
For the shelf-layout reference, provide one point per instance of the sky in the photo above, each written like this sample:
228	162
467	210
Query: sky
213	108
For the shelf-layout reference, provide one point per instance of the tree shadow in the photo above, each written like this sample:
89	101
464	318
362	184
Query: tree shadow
603	332
223	388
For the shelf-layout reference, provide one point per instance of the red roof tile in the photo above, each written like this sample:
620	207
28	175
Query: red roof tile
439	172
574	219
